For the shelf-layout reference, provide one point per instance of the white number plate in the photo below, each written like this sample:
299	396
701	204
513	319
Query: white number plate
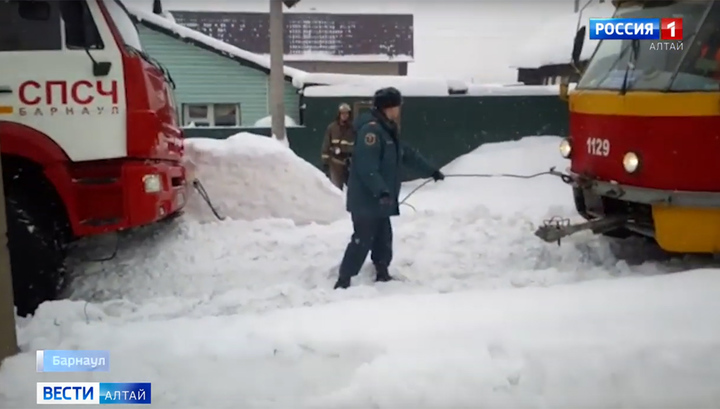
598	146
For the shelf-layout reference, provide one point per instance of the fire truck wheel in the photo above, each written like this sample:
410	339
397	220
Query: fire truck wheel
36	258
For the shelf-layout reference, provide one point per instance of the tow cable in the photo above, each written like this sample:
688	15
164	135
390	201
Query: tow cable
551	172
204	194
552	230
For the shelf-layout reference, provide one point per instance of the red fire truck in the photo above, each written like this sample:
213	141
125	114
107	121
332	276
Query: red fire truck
89	134
645	133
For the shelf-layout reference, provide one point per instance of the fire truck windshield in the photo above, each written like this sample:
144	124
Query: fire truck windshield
126	26
123	23
692	64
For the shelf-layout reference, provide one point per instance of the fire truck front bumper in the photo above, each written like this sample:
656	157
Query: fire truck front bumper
680	221
144	192
154	191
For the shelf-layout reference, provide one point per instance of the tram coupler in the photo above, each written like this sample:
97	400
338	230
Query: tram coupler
555	229
563	176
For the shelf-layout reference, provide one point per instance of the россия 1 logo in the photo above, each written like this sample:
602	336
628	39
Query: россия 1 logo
636	29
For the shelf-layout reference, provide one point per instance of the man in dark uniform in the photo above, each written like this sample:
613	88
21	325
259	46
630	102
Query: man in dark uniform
338	145
374	185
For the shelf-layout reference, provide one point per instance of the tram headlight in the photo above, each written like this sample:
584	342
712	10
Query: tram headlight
565	148
631	162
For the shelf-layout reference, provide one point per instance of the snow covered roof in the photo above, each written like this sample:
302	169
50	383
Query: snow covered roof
325	57
244	57
413	87
553	43
348	85
366	85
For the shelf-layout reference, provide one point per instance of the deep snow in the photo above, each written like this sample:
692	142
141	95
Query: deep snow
632	343
241	313
247	176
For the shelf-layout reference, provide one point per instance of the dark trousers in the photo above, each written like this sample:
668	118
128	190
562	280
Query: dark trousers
370	234
338	174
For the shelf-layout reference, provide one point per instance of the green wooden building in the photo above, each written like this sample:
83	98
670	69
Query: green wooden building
218	85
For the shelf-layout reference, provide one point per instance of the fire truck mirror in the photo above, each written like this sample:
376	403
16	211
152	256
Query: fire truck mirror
578	45
101	68
34	10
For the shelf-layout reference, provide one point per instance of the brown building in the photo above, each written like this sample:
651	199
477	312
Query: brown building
367	44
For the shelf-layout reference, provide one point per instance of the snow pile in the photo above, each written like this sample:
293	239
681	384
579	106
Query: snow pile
553	43
266	122
225	48
253	177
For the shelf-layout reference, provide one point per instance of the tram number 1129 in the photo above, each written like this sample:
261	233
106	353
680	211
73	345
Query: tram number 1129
598	147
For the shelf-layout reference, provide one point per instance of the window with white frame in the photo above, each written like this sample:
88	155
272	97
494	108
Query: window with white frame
211	115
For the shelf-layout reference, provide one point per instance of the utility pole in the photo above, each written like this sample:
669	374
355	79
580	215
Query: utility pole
277	65
577	5
8	336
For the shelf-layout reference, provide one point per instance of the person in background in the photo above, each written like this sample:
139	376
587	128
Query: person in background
374	186
709	60
337	146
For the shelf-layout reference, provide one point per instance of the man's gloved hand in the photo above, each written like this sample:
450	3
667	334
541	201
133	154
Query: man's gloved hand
385	199
437	175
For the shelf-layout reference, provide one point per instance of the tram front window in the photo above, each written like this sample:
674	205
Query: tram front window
651	65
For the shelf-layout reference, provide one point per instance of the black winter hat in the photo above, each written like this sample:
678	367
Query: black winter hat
387	98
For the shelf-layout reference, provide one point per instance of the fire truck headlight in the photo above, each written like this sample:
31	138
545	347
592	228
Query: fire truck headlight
565	148
631	162
153	183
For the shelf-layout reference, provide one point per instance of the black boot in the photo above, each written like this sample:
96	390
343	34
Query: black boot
382	274
342	283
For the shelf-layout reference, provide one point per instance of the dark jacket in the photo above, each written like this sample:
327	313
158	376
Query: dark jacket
376	167
338	142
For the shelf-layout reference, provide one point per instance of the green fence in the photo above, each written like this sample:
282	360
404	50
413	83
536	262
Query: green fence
296	136
442	128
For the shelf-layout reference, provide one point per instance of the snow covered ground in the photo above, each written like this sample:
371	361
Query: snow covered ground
242	314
